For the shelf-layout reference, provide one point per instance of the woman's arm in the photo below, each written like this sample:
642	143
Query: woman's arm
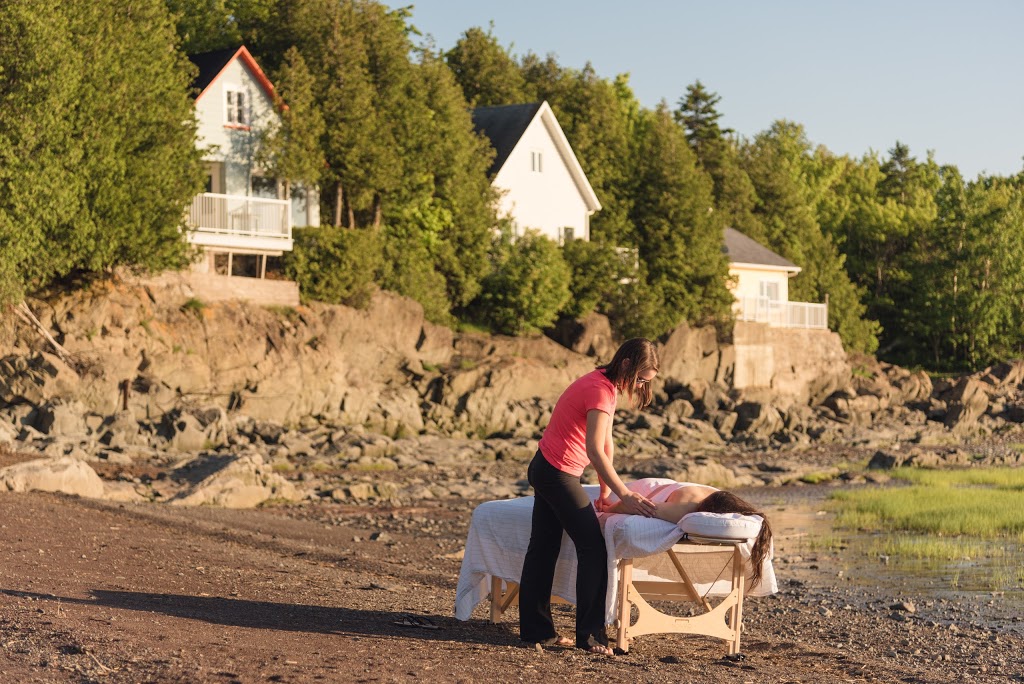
598	434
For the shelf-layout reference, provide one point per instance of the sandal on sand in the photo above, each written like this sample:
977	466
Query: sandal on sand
416	621
561	641
597	648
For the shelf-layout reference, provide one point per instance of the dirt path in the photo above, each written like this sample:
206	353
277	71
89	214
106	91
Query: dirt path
93	591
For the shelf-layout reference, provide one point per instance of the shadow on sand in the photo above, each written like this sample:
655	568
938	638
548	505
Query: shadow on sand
291	617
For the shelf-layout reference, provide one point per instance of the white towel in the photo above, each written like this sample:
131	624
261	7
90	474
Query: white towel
499	534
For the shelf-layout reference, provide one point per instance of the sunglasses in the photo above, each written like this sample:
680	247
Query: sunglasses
642	381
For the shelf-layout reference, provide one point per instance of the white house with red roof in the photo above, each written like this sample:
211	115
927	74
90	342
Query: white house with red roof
245	218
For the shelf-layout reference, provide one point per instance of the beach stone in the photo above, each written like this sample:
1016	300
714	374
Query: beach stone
66	475
243	482
61	418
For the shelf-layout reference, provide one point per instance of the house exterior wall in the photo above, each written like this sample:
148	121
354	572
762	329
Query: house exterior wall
546	200
232	144
747	282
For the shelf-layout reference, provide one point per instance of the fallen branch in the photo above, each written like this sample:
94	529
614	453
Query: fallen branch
26	315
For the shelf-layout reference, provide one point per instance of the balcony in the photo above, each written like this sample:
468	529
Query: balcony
239	222
782	314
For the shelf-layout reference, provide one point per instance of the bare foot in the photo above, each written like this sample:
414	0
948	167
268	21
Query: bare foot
597	648
557	641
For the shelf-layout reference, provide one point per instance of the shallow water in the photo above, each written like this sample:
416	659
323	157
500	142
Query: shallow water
987	589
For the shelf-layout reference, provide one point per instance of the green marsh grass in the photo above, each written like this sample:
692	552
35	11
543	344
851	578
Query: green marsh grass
941	517
984	504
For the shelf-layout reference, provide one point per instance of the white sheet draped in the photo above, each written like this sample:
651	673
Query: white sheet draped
499	534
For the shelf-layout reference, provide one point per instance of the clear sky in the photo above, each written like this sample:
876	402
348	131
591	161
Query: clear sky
938	75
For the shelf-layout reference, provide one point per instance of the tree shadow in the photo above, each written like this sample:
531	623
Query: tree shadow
290	617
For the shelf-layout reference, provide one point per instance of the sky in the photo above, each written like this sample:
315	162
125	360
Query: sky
939	76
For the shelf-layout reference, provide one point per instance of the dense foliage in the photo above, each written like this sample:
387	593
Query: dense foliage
98	160
97	141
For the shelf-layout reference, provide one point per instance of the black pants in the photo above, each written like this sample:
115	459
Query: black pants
561	504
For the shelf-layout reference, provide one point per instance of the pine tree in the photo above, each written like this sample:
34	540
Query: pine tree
486	72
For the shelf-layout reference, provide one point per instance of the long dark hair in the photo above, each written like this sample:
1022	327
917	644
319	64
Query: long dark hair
634	357
727	502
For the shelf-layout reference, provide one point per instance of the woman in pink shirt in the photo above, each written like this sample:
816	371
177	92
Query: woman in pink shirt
580	434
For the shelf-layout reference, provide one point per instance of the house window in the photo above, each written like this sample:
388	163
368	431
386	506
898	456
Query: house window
566	234
769	289
236	109
264	187
536	161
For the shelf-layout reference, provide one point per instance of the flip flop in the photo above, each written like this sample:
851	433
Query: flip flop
416	621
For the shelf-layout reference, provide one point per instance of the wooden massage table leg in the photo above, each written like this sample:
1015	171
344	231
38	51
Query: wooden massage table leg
502	602
622	619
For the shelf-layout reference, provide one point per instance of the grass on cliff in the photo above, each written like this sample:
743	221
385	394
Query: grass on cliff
978	504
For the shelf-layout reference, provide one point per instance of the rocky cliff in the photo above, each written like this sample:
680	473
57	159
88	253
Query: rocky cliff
246	394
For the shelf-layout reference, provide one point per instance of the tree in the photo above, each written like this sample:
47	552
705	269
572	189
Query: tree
680	238
735	197
136	120
528	286
791	182
294	148
40	78
486	72
96	111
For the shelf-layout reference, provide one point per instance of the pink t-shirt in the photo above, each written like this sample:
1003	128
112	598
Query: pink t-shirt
564	443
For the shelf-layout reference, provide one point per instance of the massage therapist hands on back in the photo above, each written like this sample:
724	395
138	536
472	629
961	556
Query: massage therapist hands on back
580	434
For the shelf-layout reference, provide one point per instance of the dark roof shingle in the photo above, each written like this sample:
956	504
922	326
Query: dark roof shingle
210	64
504	125
744	250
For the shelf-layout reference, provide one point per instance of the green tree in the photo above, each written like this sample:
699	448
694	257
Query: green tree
336	266
40	78
135	117
680	237
486	72
735	197
790	182
294	148
528	286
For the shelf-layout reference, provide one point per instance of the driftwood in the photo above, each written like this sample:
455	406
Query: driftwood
29	318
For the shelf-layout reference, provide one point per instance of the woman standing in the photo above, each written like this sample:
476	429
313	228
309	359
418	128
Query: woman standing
580	434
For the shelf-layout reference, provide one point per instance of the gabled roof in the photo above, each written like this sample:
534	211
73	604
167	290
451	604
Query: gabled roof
505	125
212	64
744	251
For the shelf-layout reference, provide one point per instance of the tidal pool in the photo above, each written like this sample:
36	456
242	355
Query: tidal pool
979	582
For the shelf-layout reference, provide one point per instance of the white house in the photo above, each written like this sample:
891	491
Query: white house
759	279
543	185
244	219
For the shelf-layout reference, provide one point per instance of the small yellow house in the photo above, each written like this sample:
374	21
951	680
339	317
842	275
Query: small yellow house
759	279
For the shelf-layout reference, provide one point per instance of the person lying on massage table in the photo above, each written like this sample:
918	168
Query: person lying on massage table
674	500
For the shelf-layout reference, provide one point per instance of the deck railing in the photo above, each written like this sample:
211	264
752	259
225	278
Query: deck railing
240	215
782	314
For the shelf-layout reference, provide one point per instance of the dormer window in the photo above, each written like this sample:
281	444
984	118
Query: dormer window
536	161
236	108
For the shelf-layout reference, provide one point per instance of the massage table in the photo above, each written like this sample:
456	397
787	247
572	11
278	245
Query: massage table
648	559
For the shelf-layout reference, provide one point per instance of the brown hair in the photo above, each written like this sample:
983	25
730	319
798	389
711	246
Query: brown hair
634	357
727	502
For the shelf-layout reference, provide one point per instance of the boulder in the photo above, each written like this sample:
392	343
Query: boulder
61	417
967	401
590	335
758	420
66	475
184	432
243	482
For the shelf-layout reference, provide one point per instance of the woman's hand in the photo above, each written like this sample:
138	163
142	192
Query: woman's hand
603	503
635	504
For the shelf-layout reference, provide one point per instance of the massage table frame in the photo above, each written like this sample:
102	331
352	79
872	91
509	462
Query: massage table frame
722	621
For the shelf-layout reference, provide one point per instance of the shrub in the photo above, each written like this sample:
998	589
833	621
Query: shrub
597	271
528	287
335	265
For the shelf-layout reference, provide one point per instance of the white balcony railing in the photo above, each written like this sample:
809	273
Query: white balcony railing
236	215
782	314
